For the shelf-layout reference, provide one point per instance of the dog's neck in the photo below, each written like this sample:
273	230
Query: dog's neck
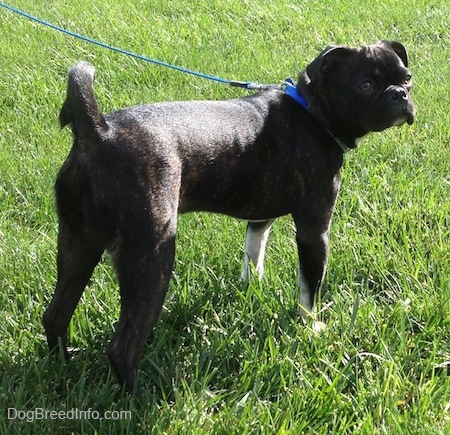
300	92
292	90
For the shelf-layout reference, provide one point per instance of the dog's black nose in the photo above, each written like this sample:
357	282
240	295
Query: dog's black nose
397	93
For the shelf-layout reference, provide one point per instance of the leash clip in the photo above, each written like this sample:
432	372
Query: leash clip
254	86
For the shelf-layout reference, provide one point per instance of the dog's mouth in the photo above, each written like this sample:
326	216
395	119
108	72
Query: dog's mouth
393	115
407	116
411	117
407	111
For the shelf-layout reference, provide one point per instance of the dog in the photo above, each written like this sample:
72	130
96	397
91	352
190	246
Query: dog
276	152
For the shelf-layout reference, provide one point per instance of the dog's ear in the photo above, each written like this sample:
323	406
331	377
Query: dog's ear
328	60
397	48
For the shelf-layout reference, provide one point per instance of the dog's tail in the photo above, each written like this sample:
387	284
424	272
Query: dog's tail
80	108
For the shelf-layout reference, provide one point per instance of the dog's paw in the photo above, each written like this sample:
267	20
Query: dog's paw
318	326
250	270
310	319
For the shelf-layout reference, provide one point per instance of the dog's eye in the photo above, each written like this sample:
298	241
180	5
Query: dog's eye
366	86
408	80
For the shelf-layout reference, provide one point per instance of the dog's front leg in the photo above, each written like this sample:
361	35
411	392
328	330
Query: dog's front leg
255	247
312	243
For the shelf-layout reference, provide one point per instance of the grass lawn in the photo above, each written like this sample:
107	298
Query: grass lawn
226	359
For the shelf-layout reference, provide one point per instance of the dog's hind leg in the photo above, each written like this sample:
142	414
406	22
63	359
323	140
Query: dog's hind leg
144	266
255	247
77	257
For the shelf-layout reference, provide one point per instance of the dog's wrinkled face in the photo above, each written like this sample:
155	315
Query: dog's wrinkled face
363	89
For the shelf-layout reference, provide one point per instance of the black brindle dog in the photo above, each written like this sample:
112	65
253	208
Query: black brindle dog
256	158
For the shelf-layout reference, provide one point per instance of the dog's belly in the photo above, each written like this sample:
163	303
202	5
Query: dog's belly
241	203
247	213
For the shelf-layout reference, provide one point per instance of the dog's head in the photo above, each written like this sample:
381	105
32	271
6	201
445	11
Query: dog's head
354	91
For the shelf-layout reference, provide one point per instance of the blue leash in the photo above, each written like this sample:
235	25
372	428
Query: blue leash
245	85
110	47
288	87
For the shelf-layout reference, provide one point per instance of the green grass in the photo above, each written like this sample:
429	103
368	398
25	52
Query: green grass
224	359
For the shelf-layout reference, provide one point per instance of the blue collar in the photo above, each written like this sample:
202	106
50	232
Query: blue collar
289	88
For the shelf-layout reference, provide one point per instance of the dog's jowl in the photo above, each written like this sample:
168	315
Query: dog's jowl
131	172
